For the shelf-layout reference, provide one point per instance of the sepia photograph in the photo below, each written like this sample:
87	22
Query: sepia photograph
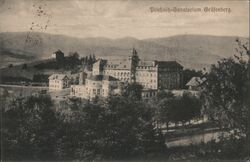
124	80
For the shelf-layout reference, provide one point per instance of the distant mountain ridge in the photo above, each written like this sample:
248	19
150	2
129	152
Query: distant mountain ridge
192	51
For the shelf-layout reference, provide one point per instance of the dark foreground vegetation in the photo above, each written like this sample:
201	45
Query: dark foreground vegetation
120	128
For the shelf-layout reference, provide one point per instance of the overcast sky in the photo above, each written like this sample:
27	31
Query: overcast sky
115	19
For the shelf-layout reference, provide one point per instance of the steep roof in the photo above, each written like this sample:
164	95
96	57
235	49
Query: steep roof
58	76
195	81
125	64
118	64
102	77
168	64
146	63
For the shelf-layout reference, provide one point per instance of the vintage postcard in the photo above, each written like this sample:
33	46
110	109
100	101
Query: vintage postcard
124	80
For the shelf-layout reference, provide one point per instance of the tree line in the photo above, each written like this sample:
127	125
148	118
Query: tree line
118	128
71	62
226	95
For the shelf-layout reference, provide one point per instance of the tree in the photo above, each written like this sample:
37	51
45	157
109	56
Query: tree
29	129
119	128
24	66
10	65
244	50
81	128
226	92
40	78
180	109
160	104
132	90
131	129
75	55
192	107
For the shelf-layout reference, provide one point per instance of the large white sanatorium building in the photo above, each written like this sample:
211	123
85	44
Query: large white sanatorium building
152	75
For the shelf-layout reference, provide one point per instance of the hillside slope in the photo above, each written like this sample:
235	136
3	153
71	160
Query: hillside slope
192	51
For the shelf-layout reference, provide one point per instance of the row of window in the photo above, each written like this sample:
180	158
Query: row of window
146	81
99	91
112	66
94	91
146	74
144	67
117	73
76	90
55	81
54	86
149	94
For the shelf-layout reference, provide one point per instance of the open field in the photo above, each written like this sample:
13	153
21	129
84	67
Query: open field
17	91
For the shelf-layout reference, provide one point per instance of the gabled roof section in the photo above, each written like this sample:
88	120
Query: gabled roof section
195	81
58	77
146	63
118	64
168	64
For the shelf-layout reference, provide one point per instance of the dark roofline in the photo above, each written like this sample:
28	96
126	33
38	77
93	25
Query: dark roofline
102	77
169	64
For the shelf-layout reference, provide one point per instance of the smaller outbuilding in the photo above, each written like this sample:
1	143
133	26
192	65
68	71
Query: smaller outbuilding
96	86
58	55
58	82
195	83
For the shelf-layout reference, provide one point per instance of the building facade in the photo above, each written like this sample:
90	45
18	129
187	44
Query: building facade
58	55
108	75
58	82
95	86
150	74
